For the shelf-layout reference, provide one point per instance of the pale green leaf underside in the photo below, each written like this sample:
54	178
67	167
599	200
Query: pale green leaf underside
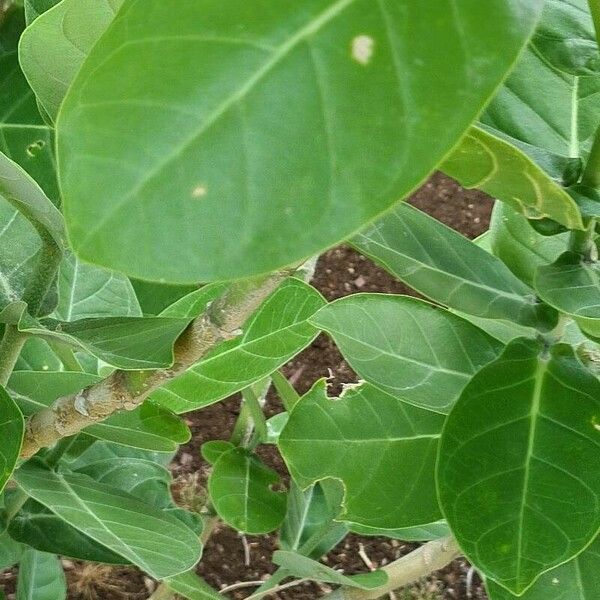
240	490
504	172
572	285
11	436
382	449
41	577
192	587
53	48
579	579
406	347
131	528
215	135
450	269
276	333
431	531
519	464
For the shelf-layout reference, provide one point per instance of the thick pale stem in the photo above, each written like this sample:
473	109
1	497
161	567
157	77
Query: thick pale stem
125	390
423	561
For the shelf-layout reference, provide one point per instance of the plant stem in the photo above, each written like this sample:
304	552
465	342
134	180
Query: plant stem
67	356
10	348
289	396
240	429
125	390
253	400
591	175
582	241
423	561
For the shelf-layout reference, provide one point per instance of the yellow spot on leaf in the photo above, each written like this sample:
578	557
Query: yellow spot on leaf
199	191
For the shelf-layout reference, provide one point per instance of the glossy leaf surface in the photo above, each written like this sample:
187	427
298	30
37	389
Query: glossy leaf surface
114	518
406	347
519	467
448	268
270	338
192	587
212	141
382	449
240	488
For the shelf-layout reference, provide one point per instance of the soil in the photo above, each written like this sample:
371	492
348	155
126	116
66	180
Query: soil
229	558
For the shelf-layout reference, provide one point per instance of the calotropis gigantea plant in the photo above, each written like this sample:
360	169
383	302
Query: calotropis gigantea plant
167	169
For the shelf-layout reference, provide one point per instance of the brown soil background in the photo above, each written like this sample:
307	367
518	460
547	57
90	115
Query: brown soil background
340	272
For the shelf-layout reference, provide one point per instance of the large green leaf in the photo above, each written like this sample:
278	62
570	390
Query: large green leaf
38	527
191	123
53	48
566	39
114	518
547	111
572	285
519	463
41	577
10	551
148	427
505	172
240	490
11	436
407	347
271	337
520	247
24	137
85	291
382	449
578	579
448	268
35	8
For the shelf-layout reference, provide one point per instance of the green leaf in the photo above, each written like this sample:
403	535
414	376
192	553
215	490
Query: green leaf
572	285
431	531
53	48
34	8
24	137
10	551
578	579
382	449
270	338
240	490
448	268
566	39
308	523
38	527
207	140
147	427
519	469
41	577
409	348
85	291
194	303
214	449
190	586
114	518
156	297
518	245
304	567
123	342
11	436
550	112
500	169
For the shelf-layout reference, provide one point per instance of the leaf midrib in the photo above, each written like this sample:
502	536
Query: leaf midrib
278	55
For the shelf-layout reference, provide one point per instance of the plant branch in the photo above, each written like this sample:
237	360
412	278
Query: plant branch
125	390
10	348
423	561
